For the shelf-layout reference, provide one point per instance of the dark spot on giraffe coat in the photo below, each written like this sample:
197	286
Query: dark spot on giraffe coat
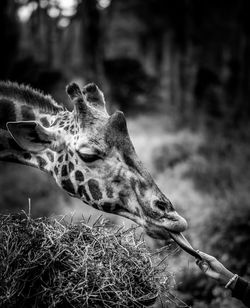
118	208
94	189
56	170
41	162
138	212
82	192
27	156
50	156
45	122
66	158
133	183
60	158
61	124
68	186
64	170
107	207
66	127
123	195
142	187
13	145
27	113
95	206
109	192
79	176
7	112
71	153
71	167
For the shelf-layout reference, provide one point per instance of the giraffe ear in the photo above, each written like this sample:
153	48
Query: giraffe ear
94	96
32	136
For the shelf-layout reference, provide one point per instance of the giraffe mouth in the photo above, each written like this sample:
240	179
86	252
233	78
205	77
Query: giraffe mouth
172	222
180	239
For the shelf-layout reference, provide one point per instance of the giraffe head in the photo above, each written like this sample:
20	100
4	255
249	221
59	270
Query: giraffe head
91	156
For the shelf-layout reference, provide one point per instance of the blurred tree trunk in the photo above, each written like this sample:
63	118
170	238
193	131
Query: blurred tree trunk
165	63
92	42
9	35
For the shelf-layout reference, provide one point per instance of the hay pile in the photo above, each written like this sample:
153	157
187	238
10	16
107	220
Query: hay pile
47	263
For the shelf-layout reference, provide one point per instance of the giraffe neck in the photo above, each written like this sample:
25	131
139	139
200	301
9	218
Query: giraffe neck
12	111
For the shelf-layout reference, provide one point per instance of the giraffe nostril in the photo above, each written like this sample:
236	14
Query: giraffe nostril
160	205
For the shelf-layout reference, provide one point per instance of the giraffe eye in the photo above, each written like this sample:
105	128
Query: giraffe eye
89	158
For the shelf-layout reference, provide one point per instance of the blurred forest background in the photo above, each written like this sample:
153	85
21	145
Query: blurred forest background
180	70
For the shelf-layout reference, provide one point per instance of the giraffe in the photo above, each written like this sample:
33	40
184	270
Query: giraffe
88	152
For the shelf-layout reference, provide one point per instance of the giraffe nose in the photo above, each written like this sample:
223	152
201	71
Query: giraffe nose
170	219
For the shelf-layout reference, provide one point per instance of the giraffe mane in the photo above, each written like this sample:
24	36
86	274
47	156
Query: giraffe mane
26	94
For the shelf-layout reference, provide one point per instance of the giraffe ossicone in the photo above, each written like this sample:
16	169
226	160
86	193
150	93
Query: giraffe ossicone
88	152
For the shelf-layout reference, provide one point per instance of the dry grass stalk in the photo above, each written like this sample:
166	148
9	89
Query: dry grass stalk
50	263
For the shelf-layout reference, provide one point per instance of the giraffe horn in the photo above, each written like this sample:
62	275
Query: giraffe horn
94	96
75	94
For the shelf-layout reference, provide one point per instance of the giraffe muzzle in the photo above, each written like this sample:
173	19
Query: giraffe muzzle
172	226
172	222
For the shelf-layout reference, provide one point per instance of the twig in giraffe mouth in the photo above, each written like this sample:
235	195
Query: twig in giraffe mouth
180	239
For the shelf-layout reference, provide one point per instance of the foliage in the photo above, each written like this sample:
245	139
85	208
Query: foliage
50	263
130	83
222	174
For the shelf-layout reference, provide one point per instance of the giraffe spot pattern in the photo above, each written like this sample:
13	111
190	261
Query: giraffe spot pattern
68	186
7	112
109	192
56	170
82	192
119	208
66	127
95	206
79	176
71	167
27	156
142	188
107	207
45	122
94	189
50	156
71	153
60	158
64	170
138	212
41	162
